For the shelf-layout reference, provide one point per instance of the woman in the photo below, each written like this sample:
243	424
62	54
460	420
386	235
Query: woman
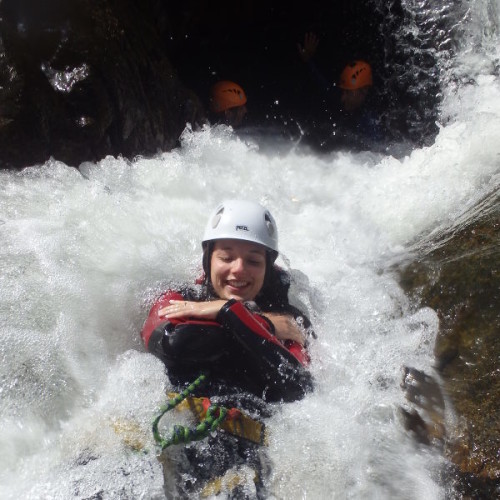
237	325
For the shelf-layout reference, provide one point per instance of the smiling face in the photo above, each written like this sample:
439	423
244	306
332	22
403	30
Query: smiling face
237	269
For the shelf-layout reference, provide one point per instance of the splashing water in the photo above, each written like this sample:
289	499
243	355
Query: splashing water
84	252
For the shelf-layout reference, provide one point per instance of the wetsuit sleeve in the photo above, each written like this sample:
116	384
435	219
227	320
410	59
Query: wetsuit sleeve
278	369
183	345
153	320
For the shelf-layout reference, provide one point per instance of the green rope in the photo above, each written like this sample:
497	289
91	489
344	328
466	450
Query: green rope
180	434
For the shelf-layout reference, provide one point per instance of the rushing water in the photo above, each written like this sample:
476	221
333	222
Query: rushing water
84	252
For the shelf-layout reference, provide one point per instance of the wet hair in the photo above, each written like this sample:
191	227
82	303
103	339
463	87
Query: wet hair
273	295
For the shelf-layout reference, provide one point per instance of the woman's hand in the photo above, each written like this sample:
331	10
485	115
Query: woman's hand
286	328
186	308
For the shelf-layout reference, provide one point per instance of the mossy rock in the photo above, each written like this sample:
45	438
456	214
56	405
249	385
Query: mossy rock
459	277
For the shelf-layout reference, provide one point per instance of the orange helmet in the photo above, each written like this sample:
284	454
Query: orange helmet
356	75
226	95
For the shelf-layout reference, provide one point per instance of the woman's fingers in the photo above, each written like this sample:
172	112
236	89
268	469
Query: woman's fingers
185	308
176	307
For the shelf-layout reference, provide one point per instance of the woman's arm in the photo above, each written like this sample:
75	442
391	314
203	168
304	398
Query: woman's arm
155	318
182	343
284	326
282	372
180	308
184	335
291	333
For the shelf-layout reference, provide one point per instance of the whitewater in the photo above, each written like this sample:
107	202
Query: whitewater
84	252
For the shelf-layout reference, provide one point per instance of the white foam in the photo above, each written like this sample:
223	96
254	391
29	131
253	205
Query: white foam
82	257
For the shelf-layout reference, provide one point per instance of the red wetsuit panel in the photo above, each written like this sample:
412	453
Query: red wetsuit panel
258	325
299	351
154	319
237	346
280	372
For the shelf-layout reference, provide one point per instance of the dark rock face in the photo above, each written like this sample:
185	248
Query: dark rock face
254	43
84	79
425	418
460	278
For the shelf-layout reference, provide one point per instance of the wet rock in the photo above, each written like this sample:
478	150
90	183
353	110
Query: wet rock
459	276
85	79
82	79
426	417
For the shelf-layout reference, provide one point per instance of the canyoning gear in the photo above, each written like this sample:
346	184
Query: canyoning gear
228	483
181	434
210	416
237	350
202	469
213	417
226	95
230	471
237	422
242	220
356	75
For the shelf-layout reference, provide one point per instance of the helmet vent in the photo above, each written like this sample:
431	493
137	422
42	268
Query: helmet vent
242	220
269	224
217	217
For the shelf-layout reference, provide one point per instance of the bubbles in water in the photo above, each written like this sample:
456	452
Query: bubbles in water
85	252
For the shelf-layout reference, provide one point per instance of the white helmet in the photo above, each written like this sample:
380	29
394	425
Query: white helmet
242	220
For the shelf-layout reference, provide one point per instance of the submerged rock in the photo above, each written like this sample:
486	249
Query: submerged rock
426	417
458	275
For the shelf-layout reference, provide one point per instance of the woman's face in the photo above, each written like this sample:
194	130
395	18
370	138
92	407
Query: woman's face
237	269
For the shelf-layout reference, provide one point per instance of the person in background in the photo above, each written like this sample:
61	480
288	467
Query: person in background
359	115
236	326
228	103
352	112
355	81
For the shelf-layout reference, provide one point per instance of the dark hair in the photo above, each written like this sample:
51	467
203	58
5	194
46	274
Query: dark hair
273	295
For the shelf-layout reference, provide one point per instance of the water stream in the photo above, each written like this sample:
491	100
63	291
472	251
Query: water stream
84	253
